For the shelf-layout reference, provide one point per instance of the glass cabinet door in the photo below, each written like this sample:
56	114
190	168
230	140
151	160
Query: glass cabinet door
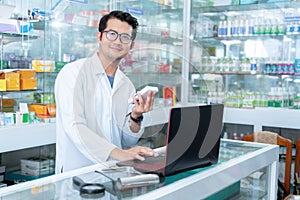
156	58
247	52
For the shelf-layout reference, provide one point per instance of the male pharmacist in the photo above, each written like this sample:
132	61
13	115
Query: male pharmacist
95	123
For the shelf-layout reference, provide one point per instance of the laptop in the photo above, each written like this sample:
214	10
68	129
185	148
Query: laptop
192	141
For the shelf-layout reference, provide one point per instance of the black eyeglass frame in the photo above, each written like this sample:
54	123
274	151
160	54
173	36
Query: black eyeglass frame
118	35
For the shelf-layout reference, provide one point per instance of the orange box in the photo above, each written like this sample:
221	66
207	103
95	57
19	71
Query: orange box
8	102
27	74
28	84
12	84
10	75
38	109
43	109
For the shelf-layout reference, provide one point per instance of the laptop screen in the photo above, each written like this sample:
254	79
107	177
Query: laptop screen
193	137
193	141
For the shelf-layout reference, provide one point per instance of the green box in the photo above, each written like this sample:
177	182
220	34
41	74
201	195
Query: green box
59	65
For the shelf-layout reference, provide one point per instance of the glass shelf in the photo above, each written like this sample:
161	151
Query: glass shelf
13	37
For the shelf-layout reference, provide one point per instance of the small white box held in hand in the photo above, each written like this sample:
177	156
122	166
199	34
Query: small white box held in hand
144	93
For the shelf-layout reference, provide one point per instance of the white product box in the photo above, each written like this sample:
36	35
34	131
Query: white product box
37	166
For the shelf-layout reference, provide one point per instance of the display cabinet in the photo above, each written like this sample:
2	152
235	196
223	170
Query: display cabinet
244	171
250	51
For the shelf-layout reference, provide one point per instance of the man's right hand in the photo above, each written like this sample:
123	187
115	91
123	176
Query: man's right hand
138	152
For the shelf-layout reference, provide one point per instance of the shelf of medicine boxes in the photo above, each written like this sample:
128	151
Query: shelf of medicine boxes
247	7
11	31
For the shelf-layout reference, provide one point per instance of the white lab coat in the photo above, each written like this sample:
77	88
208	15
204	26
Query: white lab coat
91	116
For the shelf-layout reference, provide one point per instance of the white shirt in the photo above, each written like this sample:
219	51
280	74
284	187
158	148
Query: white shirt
91	116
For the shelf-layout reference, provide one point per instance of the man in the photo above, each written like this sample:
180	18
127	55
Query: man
94	120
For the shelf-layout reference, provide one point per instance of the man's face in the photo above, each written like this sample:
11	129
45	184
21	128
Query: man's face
115	50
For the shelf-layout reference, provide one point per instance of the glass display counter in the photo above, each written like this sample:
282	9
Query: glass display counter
244	171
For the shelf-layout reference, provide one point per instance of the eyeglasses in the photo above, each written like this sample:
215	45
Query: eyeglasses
113	35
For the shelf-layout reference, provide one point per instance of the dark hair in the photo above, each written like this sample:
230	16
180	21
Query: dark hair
123	16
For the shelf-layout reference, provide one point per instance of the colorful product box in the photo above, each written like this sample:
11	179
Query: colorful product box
28	84
12	80
6	102
43	110
27	74
59	66
169	95
43	65
2	85
38	109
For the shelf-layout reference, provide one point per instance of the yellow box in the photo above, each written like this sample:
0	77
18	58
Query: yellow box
43	65
27	74
2	85
12	84
28	84
12	80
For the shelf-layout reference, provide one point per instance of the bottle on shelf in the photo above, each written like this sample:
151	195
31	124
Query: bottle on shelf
271	99
221	29
242	27
251	27
253	66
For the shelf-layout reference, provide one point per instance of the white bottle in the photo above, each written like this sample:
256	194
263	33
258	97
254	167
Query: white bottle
229	29
225	135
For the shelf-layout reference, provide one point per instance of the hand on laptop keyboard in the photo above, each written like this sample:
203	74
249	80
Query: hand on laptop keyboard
138	152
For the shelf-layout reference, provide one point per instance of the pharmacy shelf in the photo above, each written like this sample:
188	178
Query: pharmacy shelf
26	136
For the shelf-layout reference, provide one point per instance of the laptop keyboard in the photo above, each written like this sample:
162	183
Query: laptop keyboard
151	163
151	160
